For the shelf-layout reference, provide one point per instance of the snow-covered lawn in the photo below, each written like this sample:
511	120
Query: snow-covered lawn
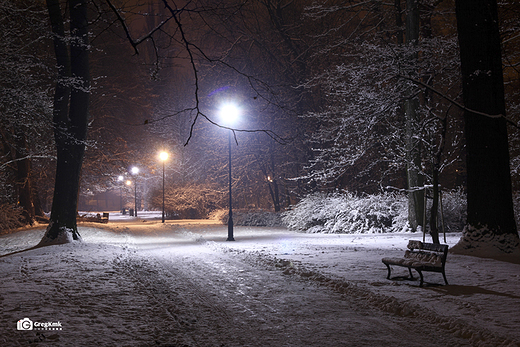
144	283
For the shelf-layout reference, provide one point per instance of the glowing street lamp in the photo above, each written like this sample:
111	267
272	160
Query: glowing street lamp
135	170
163	156
229	112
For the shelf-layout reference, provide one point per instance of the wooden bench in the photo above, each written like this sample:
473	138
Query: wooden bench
421	257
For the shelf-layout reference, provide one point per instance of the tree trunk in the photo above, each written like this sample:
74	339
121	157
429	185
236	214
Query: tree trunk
434	227
275	194
413	161
23	180
491	223
413	149
70	118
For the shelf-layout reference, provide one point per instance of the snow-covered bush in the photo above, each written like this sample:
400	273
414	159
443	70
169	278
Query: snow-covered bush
190	201
348	213
259	218
10	217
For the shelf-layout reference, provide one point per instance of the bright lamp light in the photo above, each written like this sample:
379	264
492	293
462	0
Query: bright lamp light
229	112
163	156
135	170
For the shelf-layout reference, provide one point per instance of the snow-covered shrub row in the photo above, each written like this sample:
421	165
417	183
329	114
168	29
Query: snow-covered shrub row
345	212
259	218
10	217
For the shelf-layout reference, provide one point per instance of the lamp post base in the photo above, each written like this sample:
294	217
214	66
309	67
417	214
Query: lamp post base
230	230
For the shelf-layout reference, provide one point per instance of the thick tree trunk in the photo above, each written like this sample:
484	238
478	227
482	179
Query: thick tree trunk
70	119
491	223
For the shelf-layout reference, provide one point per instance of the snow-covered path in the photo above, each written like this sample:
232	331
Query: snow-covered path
182	285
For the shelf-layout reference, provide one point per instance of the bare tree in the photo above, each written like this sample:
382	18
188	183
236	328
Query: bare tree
70	116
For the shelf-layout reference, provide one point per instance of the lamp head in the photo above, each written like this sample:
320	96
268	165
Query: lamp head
229	112
163	156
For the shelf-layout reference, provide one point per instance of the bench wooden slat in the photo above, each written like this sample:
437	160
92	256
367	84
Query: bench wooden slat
435	247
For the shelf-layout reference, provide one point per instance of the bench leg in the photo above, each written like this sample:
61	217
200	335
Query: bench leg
410	271
389	271
422	280
445	280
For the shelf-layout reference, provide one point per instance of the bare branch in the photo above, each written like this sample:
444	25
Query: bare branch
133	42
4	165
458	104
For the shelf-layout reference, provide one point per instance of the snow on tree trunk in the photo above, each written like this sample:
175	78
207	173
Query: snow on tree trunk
491	224
70	118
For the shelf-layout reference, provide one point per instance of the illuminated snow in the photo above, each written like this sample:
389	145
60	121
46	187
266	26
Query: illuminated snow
143	283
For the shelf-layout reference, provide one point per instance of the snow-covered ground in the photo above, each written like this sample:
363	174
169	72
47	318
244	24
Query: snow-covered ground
138	282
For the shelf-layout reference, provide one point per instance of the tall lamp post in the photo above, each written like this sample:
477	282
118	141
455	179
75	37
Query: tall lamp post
163	156
135	171
120	179
128	183
228	113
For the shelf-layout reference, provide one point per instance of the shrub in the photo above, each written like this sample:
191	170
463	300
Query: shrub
259	218
348	213
188	202
10	217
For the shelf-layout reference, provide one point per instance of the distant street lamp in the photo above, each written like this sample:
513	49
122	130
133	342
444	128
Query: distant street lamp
135	171
163	156
228	113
